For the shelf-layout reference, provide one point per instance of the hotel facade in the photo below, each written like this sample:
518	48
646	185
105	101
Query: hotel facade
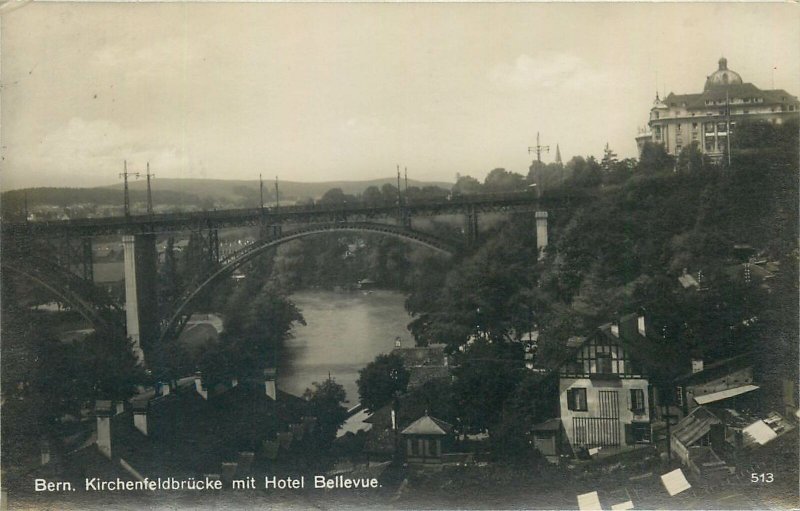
710	117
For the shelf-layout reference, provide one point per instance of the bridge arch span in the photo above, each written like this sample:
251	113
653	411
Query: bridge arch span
177	320
80	295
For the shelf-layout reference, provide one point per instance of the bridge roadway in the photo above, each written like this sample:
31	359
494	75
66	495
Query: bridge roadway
315	213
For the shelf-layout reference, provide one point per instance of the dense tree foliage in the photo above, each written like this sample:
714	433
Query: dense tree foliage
325	403
258	320
621	252
381	380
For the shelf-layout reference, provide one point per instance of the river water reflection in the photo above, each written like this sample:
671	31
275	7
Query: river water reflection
344	332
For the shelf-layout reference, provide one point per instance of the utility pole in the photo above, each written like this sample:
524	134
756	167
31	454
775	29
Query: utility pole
399	195
124	175
277	195
406	178
26	206
538	148
728	121
149	192
261	189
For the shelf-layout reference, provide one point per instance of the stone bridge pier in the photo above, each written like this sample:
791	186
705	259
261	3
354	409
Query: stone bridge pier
141	283
541	232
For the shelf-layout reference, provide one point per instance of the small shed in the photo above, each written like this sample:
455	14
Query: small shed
547	439
425	438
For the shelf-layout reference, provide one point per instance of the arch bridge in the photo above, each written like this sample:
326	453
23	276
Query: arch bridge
143	320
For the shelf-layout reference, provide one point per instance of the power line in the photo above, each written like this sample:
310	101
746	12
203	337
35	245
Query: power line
538	149
124	175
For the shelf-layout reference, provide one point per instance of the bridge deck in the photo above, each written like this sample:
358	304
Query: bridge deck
172	222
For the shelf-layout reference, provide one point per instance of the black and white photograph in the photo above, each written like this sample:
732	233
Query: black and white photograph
399	256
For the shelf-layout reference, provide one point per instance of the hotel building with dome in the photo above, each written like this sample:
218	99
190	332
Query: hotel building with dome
710	117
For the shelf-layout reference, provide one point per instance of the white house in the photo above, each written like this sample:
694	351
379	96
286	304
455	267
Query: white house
603	391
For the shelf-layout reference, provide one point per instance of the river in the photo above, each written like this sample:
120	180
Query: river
344	332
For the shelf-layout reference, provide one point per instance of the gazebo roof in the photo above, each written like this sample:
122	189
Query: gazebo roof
427	425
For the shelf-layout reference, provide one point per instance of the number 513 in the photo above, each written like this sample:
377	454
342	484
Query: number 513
761	478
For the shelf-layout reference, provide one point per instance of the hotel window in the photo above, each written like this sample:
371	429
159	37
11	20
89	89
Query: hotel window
637	401
679	396
677	128
576	400
694	125
710	145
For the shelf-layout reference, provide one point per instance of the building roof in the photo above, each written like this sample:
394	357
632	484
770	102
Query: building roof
727	93
722	76
548	425
695	425
427	425
421	355
717	369
675	482
760	432
419	376
724	394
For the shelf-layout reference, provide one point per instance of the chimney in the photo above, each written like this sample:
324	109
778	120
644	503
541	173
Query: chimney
228	470
163	389
628	328
120	407
234	382
245	461
697	365
397	342
103	411
140	409
44	447
641	326
270	375
198	385
615	330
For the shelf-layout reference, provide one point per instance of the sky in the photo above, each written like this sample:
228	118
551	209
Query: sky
320	92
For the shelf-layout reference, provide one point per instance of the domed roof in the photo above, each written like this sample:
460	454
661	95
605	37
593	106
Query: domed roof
722	76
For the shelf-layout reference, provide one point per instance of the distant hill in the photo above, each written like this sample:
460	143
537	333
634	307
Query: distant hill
233	190
190	192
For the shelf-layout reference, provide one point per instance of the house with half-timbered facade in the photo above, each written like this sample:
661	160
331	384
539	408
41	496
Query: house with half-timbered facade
604	397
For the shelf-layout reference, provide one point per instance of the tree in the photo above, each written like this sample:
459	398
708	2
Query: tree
485	375
466	185
335	196
654	158
372	195
389	192
609	160
381	380
501	180
325	403
691	159
256	325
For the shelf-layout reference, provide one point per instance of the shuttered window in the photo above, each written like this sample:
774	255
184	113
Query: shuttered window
576	399
637	401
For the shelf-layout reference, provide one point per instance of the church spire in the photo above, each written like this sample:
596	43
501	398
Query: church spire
558	155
